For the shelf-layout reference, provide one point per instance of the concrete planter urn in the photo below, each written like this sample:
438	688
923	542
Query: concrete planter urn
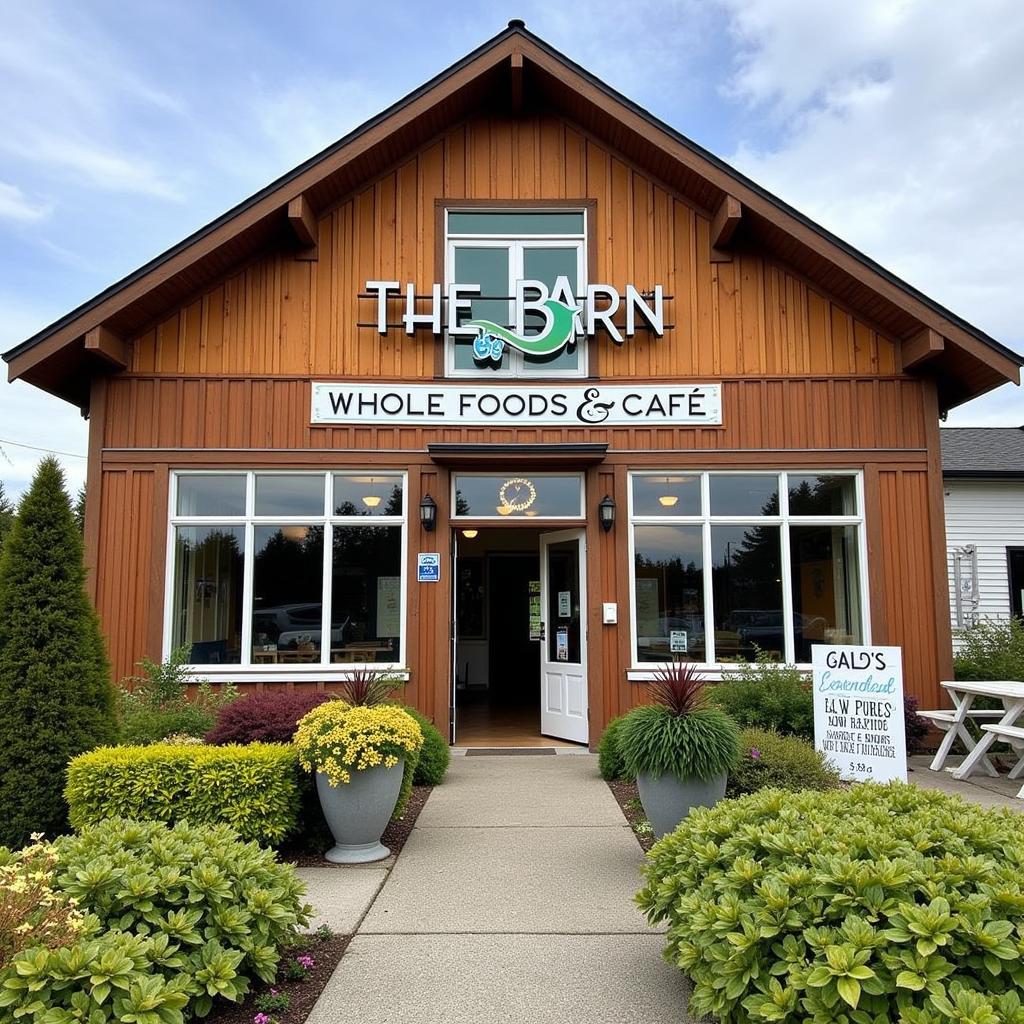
357	812
668	799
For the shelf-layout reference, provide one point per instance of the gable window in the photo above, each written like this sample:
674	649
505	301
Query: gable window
494	250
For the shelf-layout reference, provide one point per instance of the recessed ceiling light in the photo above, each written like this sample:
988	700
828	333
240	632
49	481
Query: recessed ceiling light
469	534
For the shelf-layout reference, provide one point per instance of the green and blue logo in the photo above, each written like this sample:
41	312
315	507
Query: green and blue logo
492	338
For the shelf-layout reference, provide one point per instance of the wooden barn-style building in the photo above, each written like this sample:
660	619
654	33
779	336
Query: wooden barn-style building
517	391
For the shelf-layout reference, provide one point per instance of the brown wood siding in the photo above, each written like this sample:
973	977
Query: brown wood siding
282	316
801	412
125	562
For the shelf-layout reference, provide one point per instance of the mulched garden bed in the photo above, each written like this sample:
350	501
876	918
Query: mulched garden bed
629	801
394	837
302	995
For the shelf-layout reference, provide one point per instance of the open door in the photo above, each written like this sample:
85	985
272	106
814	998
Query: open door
563	647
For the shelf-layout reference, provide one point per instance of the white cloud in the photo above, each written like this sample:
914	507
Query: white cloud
900	127
15	205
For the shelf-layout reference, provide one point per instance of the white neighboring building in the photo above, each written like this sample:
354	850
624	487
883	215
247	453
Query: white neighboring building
983	476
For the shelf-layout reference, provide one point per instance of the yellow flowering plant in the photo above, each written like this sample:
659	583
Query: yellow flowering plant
337	739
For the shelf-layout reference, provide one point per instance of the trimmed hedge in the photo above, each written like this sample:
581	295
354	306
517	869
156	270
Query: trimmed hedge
434	754
863	905
770	761
176	917
263	717
252	788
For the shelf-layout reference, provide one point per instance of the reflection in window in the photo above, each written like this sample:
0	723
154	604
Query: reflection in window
367	495
207	596
742	494
671	494
288	568
826	587
289	494
519	497
366	594
747	585
822	495
205	494
669	591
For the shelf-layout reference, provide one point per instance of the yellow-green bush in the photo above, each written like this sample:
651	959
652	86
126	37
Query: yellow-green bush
253	788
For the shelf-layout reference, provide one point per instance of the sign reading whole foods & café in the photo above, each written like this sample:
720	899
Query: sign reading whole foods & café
486	405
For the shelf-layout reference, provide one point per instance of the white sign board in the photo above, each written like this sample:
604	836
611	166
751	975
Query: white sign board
858	711
484	405
428	567
677	641
564	604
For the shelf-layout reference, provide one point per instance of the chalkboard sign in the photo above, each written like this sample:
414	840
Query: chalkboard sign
858	711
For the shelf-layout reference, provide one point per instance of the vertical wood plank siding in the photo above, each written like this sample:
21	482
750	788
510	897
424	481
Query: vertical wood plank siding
224	380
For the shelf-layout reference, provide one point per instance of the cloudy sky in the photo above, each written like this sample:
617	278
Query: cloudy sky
898	124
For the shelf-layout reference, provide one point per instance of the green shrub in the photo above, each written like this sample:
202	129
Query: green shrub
253	788
770	761
991	650
678	734
157	704
434	754
609	756
766	694
56	698
862	905
176	916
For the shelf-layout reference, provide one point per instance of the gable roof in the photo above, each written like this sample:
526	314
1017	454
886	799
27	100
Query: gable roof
982	451
515	70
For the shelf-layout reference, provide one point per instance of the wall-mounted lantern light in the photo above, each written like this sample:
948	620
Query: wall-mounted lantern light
428	513
606	513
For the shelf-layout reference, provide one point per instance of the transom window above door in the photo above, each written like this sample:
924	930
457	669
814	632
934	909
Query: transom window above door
495	250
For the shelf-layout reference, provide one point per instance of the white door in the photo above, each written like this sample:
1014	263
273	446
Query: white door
563	649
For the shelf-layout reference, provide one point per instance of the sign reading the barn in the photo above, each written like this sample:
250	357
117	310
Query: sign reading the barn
486	405
858	711
565	316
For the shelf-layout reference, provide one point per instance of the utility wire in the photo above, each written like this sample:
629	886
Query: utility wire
49	451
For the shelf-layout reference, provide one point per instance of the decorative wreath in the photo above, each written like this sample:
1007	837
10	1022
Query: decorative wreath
517	506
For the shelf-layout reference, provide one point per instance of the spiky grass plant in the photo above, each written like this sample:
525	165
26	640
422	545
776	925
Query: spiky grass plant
679	734
364	688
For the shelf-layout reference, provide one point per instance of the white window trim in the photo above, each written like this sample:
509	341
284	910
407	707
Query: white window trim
246	671
640	671
518	518
515	244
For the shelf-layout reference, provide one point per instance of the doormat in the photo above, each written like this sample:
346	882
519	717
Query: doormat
507	751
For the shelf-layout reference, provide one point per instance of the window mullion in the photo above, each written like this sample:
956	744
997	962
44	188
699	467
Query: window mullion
326	620
248	570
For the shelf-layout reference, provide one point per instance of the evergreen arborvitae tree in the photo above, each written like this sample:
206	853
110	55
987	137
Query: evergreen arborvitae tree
56	697
6	516
80	509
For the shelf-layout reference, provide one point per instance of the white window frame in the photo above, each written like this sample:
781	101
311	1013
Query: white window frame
641	670
245	670
518	518
516	244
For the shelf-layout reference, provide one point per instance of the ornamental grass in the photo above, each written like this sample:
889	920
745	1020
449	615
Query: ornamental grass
336	739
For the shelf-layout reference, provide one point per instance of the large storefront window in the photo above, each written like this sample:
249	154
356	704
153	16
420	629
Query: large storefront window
494	250
283	569
729	564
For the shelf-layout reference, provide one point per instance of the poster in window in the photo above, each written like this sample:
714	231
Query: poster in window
389	605
562	644
536	628
565	604
647	607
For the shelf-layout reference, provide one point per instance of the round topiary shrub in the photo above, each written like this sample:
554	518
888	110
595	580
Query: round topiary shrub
770	761
434	754
609	756
867	904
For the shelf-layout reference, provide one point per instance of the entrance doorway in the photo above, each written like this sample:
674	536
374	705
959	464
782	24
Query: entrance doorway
519	640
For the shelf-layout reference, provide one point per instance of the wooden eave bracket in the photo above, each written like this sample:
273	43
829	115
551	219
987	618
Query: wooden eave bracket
517	82
303	223
920	347
110	347
723	227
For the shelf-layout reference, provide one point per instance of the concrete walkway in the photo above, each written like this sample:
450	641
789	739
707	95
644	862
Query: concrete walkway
511	901
980	788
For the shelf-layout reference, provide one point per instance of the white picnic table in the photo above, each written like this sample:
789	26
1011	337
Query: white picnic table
963	694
